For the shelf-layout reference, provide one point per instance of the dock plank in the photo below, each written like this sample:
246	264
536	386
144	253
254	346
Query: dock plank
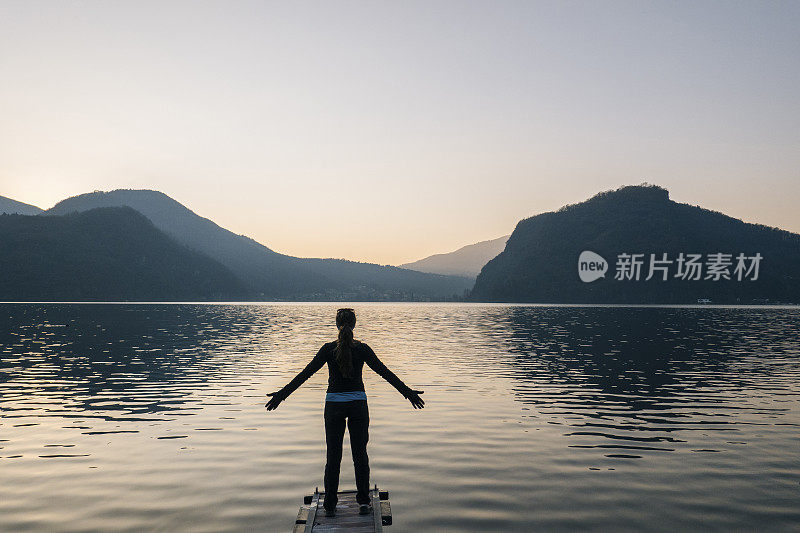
386	513
311	518
347	517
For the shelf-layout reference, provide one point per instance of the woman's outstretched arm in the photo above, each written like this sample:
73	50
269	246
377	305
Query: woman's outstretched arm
377	365
307	372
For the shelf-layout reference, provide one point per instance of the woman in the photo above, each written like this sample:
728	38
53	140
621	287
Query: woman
346	399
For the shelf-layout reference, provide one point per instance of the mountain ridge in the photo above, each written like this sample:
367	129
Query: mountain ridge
465	261
104	254
10	206
269	274
540	261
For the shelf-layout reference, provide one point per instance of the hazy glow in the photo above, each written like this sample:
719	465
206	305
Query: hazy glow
390	131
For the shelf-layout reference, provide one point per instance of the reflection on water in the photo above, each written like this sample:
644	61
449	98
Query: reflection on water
150	417
648	379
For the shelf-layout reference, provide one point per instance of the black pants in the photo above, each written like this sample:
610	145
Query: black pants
357	416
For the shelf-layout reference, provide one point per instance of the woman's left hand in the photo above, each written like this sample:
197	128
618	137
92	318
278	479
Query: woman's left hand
275	401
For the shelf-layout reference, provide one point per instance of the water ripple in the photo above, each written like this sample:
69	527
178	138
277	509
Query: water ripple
590	418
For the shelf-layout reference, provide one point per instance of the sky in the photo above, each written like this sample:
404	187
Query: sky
389	131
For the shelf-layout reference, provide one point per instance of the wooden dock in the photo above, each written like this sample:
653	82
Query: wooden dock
311	517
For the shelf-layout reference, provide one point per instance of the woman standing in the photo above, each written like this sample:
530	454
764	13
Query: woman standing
346	400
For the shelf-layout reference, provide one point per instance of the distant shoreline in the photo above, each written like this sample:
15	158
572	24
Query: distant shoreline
446	303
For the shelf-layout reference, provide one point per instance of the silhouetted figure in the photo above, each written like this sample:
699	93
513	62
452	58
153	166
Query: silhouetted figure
346	400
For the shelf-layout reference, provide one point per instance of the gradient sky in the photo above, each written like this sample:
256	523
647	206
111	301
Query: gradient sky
388	131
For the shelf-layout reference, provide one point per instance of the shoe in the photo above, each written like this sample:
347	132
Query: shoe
364	509
330	512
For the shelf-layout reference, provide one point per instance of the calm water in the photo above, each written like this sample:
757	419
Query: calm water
151	417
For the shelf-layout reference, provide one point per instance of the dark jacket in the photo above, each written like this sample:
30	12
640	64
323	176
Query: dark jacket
361	353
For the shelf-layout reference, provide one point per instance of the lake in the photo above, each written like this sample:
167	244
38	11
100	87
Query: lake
150	417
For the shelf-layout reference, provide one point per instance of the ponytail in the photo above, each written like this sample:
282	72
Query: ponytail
346	321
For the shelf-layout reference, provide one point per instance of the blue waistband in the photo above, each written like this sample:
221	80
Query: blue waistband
345	396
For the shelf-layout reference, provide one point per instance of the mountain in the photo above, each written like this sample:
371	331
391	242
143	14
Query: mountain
262	270
588	253
268	274
12	207
466	261
107	254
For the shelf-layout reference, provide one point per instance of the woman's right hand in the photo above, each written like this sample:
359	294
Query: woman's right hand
415	400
